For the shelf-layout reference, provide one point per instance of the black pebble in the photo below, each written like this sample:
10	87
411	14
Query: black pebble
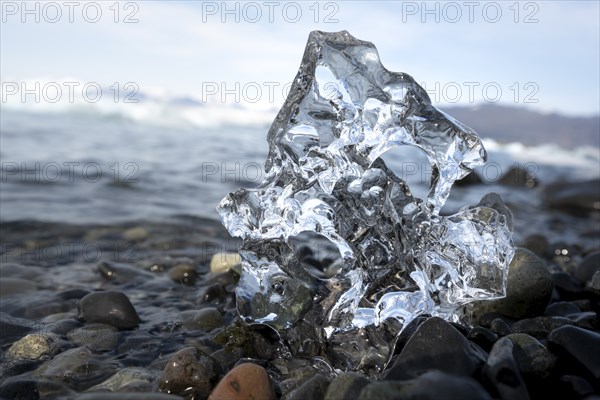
436	345
112	308
578	346
483	337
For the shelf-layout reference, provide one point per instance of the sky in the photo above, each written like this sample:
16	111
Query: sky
543	55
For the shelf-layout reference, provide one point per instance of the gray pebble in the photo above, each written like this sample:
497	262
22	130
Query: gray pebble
76	365
110	307
205	319
97	336
125	376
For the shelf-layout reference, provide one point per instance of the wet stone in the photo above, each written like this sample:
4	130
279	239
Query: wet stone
567	286
540	327
122	273
124	377
578	346
246	381
432	385
19	388
62	326
346	386
77	367
227	358
500	327
33	347
141	347
585	320
532	357
483	337
561	309
424	351
528	291
588	267
189	368
97	336
26	388
110	307
502	370
223	262
205	319
183	273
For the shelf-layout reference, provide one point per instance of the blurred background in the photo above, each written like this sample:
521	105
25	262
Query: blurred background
146	110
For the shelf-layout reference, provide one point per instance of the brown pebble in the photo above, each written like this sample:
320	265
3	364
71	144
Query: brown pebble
245	382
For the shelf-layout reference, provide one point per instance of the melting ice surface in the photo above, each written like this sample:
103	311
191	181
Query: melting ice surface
394	257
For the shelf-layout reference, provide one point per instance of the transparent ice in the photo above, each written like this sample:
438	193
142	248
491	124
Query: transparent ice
387	257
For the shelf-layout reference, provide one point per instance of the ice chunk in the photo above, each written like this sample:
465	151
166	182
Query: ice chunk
395	258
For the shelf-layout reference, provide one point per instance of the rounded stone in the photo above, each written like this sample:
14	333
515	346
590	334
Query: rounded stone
588	267
97	336
125	376
189	367
136	234
528	292
577	345
205	319
32	347
183	273
109	307
502	370
223	262
425	351
540	327
532	356
246	381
